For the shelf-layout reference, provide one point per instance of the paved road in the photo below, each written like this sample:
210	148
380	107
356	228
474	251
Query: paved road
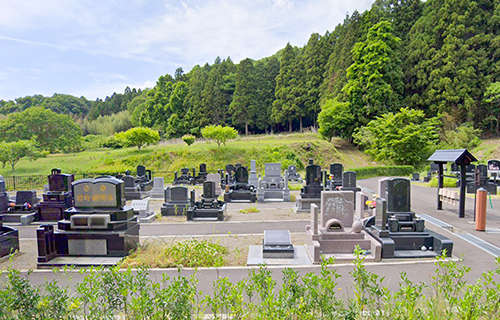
423	202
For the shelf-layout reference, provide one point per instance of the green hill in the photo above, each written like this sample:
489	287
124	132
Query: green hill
173	155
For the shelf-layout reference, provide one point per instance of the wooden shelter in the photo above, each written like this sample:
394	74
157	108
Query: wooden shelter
462	158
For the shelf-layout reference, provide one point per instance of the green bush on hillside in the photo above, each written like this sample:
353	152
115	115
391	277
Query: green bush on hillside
369	172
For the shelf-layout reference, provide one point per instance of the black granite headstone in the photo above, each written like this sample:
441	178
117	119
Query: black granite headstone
99	193
349	179
180	193
209	190
398	195
336	170
241	175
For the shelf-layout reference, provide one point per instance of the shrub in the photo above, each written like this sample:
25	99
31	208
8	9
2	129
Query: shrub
369	172
188	139
447	182
219	133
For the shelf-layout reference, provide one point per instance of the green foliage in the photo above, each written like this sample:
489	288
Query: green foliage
290	90
189	139
463	137
219	133
383	171
12	152
93	142
250	210
447	182
48	130
243	105
335	119
109	293
190	253
138	137
108	125
404	138
375	79
492	98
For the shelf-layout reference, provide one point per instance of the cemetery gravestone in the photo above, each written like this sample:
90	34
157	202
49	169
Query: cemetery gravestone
338	206
253	179
494	171
215	177
9	237
202	174
293	175
141	208
177	201
158	190
132	190
336	171
272	186
481	180
311	192
398	230
277	244
4	196
241	190
98	225
143	179
57	199
334	234
23	210
184	178
208	207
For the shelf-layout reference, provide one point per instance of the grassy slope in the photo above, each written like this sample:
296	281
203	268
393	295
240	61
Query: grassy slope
173	155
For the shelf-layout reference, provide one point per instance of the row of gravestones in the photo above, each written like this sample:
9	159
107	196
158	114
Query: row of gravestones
318	181
100	224
394	231
58	197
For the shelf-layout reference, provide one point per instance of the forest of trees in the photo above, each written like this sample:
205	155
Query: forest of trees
441	57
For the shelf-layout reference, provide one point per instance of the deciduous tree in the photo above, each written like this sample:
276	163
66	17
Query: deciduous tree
138	137
219	133
405	138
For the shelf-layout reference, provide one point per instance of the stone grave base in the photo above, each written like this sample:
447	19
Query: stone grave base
255	257
243	196
22	217
50	212
136	195
304	205
148	218
272	195
195	214
9	240
409	244
173	209
157	194
79	262
341	245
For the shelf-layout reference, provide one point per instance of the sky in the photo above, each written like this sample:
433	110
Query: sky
93	48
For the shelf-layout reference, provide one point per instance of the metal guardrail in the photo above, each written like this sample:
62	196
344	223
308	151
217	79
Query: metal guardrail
36	182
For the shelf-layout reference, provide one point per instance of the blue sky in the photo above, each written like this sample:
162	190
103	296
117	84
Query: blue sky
93	48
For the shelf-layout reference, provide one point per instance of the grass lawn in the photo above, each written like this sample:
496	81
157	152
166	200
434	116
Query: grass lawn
173	155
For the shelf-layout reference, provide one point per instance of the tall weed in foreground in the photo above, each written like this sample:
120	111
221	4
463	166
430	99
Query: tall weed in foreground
113	293
368	291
